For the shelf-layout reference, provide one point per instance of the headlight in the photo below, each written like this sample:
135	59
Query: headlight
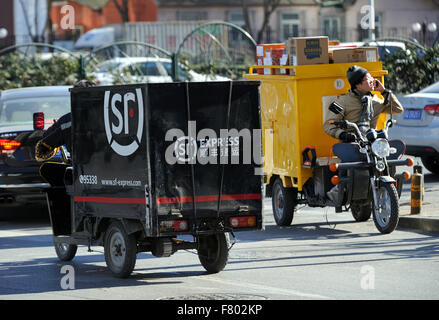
381	148
380	166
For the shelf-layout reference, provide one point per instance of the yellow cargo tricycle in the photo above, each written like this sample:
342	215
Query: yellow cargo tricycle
302	164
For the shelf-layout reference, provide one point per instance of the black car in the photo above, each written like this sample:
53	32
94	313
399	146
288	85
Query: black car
20	181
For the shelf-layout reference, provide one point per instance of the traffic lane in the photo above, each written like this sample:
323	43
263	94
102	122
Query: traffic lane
321	256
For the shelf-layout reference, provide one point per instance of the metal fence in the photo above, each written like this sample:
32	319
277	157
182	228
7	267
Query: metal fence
219	48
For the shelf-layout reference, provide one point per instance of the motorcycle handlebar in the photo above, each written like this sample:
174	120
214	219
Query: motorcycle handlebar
345	124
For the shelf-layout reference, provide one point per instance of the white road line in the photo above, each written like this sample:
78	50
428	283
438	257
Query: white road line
263	288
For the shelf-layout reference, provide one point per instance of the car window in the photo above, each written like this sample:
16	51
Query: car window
168	66
151	69
20	111
105	67
434	88
384	51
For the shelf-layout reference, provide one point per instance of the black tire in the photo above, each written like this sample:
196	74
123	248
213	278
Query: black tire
65	252
284	200
361	212
388	214
120	250
213	251
431	163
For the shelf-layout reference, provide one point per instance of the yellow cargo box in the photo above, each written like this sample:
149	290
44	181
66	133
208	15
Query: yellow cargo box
292	112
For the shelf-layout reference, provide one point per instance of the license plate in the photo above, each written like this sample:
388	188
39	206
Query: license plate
412	114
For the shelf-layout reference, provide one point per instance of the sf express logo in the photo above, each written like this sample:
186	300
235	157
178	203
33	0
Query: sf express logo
123	117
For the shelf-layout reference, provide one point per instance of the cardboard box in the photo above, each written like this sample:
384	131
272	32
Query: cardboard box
267	62
279	58
349	55
265	51
308	50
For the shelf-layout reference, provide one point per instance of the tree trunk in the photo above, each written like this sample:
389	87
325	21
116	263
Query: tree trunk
123	10
269	7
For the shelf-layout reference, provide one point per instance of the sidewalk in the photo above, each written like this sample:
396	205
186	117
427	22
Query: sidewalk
426	221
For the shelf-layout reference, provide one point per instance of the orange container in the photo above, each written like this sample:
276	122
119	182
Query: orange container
263	51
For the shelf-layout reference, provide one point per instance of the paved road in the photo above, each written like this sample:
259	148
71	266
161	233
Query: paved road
323	255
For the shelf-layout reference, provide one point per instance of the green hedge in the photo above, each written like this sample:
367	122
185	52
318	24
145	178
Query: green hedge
412	70
17	71
409	71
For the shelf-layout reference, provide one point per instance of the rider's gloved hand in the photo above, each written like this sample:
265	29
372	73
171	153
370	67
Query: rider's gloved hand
347	137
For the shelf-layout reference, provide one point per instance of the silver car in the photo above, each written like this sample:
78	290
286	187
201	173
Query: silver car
418	126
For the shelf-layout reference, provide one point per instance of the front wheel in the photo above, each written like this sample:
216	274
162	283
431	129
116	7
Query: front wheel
387	214
213	251
65	251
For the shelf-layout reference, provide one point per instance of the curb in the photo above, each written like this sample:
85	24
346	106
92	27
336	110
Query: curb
426	224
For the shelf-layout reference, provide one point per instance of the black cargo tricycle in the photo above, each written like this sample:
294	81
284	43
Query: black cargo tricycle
152	162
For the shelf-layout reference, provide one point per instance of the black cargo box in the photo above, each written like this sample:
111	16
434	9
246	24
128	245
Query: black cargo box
153	151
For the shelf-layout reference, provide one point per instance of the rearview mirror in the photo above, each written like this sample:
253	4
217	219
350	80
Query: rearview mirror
336	108
38	120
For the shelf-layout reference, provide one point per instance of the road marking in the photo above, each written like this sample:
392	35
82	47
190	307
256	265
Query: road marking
266	289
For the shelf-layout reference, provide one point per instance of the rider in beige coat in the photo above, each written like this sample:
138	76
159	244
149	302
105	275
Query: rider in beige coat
356	109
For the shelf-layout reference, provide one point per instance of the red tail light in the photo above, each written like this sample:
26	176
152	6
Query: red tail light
8	146
174	225
38	121
242	222
432	109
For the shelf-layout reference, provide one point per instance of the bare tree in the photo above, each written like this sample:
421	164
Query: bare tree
33	32
269	7
123	10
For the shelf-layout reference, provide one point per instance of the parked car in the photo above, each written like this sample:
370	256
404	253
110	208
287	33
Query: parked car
145	69
132	69
418	126
20	181
385	48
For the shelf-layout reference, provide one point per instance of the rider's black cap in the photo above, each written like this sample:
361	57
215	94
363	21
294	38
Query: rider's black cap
355	75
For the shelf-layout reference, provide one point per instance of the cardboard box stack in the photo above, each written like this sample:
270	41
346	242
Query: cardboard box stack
307	51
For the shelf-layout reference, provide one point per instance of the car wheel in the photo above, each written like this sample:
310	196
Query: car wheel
431	163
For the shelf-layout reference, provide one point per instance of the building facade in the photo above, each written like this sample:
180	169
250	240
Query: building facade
344	20
28	20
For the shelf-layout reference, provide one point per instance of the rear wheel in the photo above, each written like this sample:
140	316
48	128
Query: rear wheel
387	216
213	251
431	163
361	212
284	200
65	251
120	250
